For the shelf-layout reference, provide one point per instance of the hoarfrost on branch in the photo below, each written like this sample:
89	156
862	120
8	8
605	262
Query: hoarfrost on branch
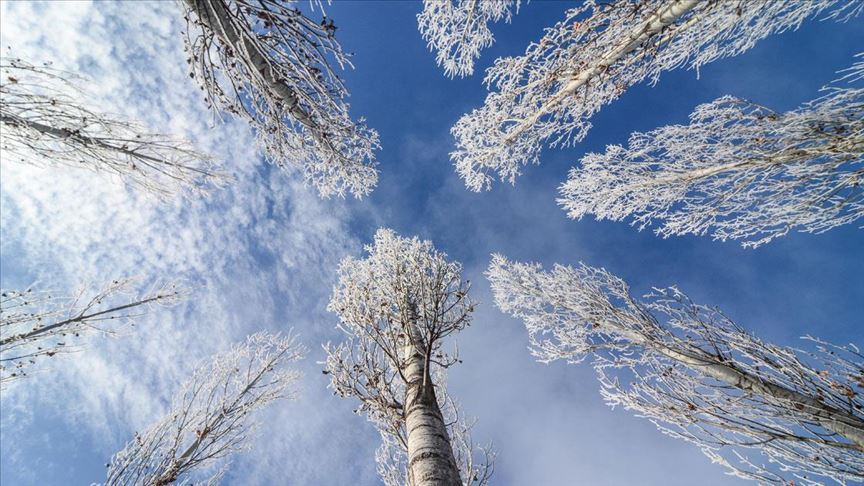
270	65
696	374
457	30
211	417
738	170
598	51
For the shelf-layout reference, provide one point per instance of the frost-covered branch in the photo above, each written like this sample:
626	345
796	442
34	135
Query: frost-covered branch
38	324
268	64
738	170
595	54
397	306
696	374
211	416
457	30
43	123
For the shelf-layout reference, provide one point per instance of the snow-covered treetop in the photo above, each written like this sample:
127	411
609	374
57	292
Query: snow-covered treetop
211	417
598	51
696	374
457	30
738	170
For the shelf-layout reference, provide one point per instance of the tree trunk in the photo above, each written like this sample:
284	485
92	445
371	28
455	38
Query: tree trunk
430	455
840	422
215	17
664	17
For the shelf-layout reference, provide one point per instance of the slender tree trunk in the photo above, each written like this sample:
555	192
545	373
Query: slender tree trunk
838	421
215	16
430	455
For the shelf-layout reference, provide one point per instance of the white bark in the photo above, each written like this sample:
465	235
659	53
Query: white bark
656	22
430	455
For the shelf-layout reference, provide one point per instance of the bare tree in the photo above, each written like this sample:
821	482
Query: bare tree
457	30
212	415
44	123
593	56
38	324
696	374
738	170
267	63
397	306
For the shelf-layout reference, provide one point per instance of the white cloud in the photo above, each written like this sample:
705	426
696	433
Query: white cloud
259	254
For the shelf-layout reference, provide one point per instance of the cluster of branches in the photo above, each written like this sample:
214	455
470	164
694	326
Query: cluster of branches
696	374
595	54
212	415
38	324
738	170
397	306
267	63
457	30
44	123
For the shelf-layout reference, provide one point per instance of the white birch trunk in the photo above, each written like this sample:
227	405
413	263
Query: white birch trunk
213	14
837	421
430	455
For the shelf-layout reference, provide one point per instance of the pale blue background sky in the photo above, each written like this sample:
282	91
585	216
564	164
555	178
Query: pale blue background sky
263	253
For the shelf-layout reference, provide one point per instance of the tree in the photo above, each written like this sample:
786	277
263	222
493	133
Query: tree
457	30
266	63
696	374
738	170
38	324
593	56
43	123
398	305
212	415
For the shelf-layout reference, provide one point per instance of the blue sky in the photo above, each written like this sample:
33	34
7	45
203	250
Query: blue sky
263	253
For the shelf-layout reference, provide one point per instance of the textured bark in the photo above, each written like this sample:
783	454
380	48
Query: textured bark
430	455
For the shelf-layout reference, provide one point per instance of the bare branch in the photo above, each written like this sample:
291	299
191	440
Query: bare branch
696	374
211	416
43	123
268	64
38	324
595	54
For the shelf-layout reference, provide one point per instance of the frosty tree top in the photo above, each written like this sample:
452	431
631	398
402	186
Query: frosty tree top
595	54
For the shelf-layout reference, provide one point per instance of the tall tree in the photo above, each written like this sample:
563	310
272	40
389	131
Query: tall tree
267	63
457	30
398	305
593	56
212	415
44	123
738	170
696	374
38	324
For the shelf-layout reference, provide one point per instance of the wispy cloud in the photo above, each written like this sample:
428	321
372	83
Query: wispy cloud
259	254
